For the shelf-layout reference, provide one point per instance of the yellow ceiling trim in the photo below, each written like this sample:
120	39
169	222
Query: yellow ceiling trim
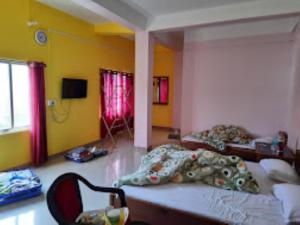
110	28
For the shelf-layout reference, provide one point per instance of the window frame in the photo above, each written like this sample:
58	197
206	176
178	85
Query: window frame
12	128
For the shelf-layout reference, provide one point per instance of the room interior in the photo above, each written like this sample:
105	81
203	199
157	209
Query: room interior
191	66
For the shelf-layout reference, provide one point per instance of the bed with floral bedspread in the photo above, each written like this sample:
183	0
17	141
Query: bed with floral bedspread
173	163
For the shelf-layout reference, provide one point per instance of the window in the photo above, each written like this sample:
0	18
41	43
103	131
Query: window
161	90
14	96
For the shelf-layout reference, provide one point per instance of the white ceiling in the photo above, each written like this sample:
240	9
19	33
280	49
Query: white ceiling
160	7
245	29
202	16
70	7
168	15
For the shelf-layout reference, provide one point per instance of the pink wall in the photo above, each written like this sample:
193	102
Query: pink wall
244	81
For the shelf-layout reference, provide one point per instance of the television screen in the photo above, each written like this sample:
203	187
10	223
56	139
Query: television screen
74	88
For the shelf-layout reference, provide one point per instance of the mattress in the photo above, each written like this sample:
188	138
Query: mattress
232	207
193	139
18	185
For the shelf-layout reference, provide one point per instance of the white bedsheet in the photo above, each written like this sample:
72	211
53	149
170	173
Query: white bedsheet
230	206
193	139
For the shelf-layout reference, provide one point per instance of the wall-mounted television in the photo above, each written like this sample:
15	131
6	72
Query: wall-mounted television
74	88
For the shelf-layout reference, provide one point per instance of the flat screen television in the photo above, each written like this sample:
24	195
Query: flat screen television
74	88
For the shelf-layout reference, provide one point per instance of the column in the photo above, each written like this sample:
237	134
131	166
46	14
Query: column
177	89
143	89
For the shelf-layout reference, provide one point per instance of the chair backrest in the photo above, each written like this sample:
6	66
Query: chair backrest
64	199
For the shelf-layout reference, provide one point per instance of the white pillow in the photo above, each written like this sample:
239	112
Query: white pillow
289	195
279	170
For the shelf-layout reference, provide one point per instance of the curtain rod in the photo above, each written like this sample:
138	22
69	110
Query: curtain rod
115	70
20	62
13	61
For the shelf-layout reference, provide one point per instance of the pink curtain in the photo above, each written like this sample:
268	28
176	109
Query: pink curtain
116	99
164	90
38	134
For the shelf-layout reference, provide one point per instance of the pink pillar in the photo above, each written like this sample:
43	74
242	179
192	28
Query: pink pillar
177	89
187	90
143	89
294	105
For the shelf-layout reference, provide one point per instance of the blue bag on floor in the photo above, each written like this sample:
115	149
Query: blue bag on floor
79	155
18	185
98	152
83	154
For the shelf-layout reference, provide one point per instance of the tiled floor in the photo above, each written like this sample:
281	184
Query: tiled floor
103	171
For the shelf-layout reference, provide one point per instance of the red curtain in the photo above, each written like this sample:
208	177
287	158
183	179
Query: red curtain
117	99
164	82
38	113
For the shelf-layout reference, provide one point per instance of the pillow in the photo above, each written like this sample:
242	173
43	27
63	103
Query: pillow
289	195
279	170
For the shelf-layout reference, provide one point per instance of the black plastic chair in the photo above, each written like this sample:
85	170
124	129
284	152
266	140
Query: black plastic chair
64	197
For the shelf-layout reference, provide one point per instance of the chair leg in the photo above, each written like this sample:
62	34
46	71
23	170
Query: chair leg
138	223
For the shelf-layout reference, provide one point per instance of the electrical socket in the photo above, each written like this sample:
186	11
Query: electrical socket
51	102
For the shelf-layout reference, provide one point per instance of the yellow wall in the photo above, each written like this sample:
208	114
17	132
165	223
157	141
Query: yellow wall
65	56
164	66
14	149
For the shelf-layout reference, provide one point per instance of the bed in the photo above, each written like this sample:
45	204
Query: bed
246	151
190	138
197	203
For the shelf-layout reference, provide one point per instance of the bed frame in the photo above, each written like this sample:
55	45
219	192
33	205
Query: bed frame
156	214
245	153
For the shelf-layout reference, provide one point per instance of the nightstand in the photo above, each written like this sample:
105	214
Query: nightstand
297	161
266	153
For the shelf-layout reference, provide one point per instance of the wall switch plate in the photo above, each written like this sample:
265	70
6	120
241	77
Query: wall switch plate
51	102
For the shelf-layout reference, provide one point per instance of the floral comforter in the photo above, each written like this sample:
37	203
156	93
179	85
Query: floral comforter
172	163
219	135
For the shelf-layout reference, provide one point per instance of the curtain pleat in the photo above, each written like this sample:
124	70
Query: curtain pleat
38	132
116	99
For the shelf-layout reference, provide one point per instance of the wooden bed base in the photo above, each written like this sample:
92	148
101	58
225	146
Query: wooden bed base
244	153
155	214
247	154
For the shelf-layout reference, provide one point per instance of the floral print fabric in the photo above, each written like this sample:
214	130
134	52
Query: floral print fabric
172	163
210	140
219	135
231	134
